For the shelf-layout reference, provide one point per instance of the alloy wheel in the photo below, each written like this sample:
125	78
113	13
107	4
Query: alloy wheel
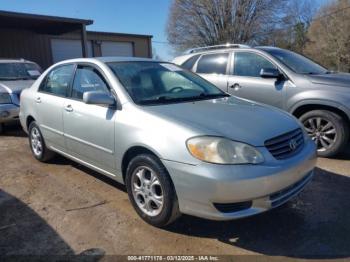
147	191
321	131
36	141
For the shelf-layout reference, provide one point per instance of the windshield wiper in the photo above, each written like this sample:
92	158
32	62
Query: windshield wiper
213	95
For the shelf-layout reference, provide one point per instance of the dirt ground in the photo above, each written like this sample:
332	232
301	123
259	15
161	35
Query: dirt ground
65	208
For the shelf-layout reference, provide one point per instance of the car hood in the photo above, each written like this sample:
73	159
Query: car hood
333	79
15	86
234	118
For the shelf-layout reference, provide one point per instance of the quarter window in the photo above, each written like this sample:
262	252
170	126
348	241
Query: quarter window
212	64
86	79
58	81
190	62
250	64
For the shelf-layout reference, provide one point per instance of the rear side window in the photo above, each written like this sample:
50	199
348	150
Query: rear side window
58	81
87	79
250	64
190	62
213	64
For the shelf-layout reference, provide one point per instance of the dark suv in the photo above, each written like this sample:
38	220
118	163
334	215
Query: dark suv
281	78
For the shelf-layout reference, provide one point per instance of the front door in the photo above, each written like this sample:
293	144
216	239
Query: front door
49	102
89	129
245	80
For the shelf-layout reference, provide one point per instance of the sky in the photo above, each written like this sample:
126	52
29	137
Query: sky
121	16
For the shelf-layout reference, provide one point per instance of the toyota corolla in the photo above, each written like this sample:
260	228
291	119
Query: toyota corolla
178	143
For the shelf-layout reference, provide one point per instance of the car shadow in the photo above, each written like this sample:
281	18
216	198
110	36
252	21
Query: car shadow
61	160
13	130
23	232
316	224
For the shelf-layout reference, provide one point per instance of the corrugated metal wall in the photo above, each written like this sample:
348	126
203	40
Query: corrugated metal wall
37	47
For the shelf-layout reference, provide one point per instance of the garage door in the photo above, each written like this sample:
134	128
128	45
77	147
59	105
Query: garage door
63	49
109	48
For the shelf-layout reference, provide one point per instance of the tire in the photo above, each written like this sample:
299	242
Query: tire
2	127
37	144
328	129
156	203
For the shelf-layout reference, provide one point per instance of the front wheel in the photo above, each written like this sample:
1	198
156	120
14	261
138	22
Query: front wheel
151	191
328	130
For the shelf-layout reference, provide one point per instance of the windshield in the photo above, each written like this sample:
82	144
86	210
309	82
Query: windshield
160	83
16	71
296	62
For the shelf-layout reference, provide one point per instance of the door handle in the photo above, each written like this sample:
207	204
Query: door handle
69	108
38	100
236	86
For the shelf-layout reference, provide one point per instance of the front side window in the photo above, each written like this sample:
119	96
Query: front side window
160	83
250	64
212	64
298	63
87	79
19	71
58	81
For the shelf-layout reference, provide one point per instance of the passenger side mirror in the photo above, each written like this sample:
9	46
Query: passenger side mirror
98	98
270	73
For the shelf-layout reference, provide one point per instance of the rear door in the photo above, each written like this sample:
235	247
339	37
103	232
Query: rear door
89	129
214	67
245	80
49	100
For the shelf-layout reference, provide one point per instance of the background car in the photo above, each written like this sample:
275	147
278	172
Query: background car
15	75
284	79
179	143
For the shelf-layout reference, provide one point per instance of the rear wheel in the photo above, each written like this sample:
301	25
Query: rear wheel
151	191
328	130
37	144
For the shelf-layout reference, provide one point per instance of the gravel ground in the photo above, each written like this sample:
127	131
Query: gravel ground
65	208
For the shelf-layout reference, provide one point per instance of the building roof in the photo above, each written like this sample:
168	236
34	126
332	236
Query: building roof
118	34
41	23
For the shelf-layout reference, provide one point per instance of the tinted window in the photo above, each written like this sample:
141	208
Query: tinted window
190	62
58	80
250	64
86	79
19	71
213	63
296	62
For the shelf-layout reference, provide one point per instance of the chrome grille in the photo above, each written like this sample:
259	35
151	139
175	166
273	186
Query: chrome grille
286	145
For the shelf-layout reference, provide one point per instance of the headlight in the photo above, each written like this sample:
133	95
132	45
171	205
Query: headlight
220	150
5	98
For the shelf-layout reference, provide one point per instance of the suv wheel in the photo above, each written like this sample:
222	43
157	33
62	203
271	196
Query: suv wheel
151	191
37	144
328	130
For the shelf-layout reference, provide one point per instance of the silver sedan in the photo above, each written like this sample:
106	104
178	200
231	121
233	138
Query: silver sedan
178	143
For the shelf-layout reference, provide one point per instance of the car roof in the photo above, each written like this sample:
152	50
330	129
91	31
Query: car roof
9	60
108	59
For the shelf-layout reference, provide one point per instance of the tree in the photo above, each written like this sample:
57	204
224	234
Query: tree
329	36
194	23
292	31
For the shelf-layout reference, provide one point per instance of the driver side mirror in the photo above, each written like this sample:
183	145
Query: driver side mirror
270	73
98	98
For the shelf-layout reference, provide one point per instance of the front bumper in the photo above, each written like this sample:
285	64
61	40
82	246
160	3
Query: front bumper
266	186
9	113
